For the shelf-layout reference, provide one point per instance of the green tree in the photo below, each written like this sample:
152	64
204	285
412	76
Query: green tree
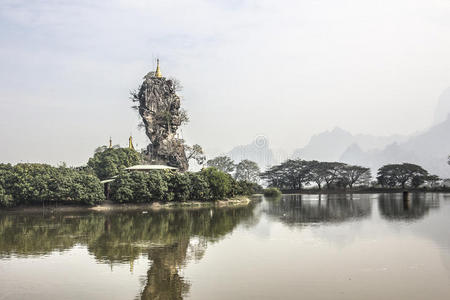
354	175
247	170
333	169
40	183
291	174
319	172
139	187
200	190
180	186
108	162
432	179
196	153
222	163
401	175
220	183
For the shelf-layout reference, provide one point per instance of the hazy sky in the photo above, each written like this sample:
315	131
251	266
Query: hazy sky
282	69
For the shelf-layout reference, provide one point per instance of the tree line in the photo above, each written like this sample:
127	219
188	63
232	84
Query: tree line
165	185
245	170
32	183
296	174
27	184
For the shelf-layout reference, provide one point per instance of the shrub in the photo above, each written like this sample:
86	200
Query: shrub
272	192
179	186
200	190
38	183
5	200
220	183
249	188
209	184
130	187
157	185
139	187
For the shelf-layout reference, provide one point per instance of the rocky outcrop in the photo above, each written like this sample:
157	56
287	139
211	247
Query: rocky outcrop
159	107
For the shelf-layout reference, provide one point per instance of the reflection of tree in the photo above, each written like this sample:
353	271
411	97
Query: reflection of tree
408	207
169	238
304	209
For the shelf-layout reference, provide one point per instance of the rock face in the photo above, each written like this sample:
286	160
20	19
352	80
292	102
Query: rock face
159	107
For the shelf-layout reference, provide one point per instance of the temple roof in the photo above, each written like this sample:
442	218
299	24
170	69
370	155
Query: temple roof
150	167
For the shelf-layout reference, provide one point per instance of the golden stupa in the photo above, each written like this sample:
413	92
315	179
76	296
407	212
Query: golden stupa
130	143
158	71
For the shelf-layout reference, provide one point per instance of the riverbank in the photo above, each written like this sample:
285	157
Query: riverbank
367	191
238	201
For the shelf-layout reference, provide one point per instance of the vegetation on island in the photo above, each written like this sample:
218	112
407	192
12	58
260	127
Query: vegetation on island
30	184
272	192
222	163
41	184
245	170
165	185
108	162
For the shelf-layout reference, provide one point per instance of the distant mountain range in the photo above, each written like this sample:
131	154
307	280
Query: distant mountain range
330	145
429	148
443	108
257	151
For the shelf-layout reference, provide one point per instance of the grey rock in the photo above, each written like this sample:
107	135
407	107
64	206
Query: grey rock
159	107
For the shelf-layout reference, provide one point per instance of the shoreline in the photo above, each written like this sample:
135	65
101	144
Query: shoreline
364	191
108	206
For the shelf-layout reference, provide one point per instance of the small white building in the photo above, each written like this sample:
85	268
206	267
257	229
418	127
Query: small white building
149	168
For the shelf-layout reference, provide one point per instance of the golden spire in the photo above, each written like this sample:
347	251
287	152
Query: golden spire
158	71
130	143
110	142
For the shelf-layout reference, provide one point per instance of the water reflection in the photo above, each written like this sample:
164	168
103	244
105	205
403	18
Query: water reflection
169	238
406	207
293	209
172	239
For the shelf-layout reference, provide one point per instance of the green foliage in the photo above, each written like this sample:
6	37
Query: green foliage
180	186
38	183
196	153
219	182
200	190
5	199
248	188
108	162
116	236
393	175
247	170
139	187
272	192
222	163
208	184
294	174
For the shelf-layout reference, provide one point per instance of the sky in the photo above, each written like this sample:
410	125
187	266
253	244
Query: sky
285	70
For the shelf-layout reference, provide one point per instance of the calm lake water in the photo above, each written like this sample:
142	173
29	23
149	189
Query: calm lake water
377	246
